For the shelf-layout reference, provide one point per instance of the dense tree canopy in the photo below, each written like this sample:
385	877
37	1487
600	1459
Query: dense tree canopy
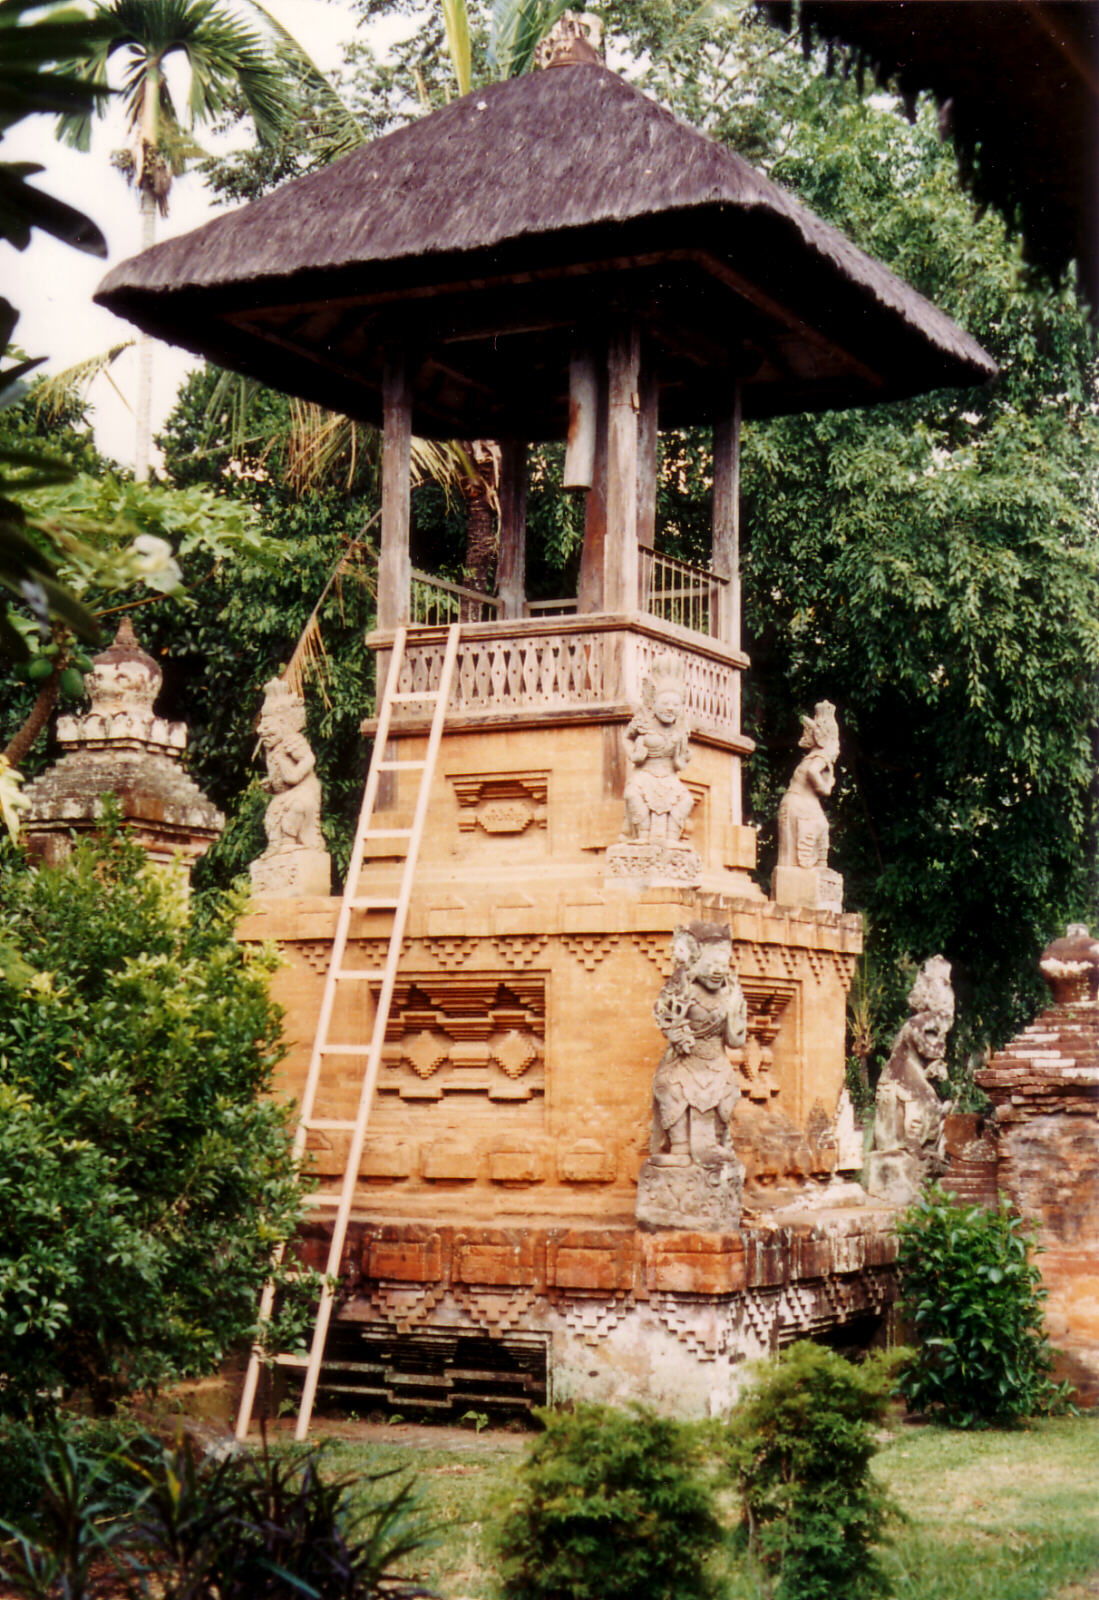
144	1174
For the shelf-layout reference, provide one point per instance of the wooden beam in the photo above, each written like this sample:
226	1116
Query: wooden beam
726	518
620	559
393	558
511	568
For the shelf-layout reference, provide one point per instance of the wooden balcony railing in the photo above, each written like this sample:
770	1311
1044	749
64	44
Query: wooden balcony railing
682	593
435	603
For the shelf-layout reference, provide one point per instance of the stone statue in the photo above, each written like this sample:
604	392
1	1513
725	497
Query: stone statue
295	861
693	1178
657	801
802	876
909	1115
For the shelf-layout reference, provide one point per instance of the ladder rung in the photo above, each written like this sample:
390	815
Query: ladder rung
416	694
320	1200
374	903
358	973
345	1049
329	1124
290	1361
387	833
401	766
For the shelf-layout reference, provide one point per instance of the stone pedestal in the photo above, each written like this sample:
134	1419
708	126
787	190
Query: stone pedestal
292	872
895	1176
655	866
818	887
699	1199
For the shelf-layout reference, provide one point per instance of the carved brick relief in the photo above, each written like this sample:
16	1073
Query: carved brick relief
520	950
496	803
658	948
315	953
473	1034
589	949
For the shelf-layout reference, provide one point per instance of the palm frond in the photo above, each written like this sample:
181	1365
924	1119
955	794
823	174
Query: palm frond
343	132
309	657
52	393
456	19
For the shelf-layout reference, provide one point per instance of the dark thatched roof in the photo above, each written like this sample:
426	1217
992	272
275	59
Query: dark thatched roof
1018	84
489	234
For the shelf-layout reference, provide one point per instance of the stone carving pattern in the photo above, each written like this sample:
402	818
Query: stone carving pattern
501	803
593	1317
909	1116
520	950
450	953
658	950
468	1033
494	1310
590	949
702	1323
403	1304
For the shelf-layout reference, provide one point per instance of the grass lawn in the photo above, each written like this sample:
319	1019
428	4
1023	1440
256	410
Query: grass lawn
991	1516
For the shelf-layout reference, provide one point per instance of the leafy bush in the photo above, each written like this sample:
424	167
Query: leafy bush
974	1297
800	1446
143	1178
162	1518
611	1505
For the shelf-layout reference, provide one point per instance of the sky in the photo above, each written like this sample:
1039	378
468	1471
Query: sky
52	285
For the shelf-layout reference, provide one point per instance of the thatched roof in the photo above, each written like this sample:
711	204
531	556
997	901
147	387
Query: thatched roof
488	233
1018	84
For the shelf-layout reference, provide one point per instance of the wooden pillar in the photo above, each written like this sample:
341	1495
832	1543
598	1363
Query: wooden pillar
511	569
726	517
648	454
393	559
590	591
620	559
580	443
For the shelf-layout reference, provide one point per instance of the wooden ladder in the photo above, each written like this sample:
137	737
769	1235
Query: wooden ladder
338	974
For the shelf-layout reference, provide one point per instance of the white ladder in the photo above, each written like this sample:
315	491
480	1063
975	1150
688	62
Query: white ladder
338	974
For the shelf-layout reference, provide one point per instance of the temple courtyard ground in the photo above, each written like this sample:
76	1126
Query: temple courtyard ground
989	1516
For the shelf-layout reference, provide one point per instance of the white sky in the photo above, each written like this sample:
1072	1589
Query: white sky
52	285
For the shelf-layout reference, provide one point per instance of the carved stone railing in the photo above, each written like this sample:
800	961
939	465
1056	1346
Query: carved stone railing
571	668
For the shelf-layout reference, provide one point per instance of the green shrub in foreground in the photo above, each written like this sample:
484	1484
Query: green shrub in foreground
974	1297
611	1505
800	1445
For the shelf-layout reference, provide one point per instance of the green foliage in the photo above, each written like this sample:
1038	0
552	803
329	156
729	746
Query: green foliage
800	1446
231	1525
974	1297
143	1179
611	1504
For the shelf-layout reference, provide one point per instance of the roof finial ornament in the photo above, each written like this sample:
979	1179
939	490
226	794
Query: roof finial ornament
575	38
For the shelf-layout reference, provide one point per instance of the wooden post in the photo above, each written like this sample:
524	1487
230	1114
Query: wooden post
648	455
511	568
590	591
726	517
580	445
620	560
394	577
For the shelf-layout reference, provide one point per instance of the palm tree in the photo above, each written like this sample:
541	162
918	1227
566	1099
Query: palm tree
226	59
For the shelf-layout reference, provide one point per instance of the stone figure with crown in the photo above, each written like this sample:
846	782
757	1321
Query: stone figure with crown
657	801
295	861
802	876
908	1114
693	1178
